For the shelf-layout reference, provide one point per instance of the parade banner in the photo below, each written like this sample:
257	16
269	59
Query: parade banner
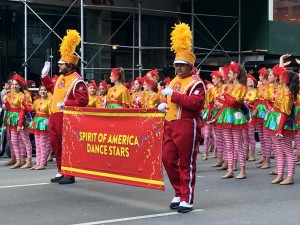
115	145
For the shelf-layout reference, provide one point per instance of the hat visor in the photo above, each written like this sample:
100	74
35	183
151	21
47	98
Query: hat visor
180	61
61	62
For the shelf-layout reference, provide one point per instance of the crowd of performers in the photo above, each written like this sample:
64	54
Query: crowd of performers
237	103
25	115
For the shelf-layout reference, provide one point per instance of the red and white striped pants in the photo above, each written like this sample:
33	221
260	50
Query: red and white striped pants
14	143
248	138
234	140
220	143
25	144
43	147
206	133
284	151
297	143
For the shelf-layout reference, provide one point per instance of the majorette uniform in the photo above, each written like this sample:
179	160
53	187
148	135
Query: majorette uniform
71	90
182	134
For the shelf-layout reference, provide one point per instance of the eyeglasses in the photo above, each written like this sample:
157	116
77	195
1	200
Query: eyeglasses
180	64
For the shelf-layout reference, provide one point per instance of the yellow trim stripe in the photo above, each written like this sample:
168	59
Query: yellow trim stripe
115	176
115	114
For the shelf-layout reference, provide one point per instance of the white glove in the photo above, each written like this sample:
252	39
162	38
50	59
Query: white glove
167	91
0	110
46	69
162	107
61	105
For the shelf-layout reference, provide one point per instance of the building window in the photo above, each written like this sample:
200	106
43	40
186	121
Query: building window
286	11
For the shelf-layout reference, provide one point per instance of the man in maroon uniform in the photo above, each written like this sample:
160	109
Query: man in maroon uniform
69	90
185	99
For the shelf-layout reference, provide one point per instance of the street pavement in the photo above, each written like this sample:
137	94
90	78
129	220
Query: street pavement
28	197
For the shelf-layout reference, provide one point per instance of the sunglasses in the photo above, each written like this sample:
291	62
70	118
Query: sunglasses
180	64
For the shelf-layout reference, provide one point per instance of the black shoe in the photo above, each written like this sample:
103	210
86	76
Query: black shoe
182	209
67	180
56	179
174	205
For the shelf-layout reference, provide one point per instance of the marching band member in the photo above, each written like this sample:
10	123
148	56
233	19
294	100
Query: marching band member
69	90
185	99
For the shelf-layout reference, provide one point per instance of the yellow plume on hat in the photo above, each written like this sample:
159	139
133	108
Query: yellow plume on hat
181	38
69	42
181	44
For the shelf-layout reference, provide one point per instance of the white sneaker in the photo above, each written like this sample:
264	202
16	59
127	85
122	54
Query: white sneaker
175	203
184	207
176	199
185	204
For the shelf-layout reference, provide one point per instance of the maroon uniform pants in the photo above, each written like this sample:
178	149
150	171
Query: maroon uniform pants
55	132
180	148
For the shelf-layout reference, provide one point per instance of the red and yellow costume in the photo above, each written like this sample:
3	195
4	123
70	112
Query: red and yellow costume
136	99
93	101
40	126
281	108
230	115
101	101
14	120
15	111
42	110
280	125
118	97
150	101
250	98
259	106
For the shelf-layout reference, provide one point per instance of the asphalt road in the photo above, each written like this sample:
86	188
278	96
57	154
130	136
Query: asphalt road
27	197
